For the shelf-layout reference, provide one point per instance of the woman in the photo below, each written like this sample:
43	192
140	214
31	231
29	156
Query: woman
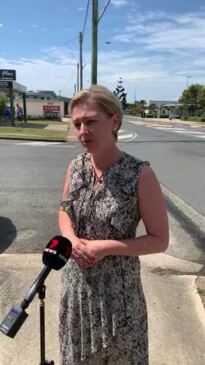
103	318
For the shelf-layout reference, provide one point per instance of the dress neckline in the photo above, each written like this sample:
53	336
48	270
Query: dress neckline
98	182
109	167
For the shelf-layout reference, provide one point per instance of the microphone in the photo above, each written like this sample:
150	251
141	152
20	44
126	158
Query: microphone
55	256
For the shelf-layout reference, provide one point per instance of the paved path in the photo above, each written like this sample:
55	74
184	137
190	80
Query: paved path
176	313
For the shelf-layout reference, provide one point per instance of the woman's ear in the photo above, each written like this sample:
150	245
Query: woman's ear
116	120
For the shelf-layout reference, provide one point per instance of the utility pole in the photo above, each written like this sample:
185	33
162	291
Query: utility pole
75	89
77	83
94	42
81	59
95	21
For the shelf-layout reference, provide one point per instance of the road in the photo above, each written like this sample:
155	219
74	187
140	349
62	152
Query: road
32	175
177	155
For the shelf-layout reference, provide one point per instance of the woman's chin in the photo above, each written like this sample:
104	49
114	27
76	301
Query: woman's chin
88	145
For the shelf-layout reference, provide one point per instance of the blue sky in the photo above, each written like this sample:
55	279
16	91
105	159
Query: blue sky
156	46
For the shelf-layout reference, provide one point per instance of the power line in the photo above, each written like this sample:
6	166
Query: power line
106	5
62	45
86	16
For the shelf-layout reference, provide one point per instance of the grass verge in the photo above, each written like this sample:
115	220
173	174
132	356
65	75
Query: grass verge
35	130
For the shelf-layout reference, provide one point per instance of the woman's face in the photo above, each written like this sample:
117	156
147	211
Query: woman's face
93	127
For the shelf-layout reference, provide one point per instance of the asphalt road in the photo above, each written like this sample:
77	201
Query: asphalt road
177	155
32	176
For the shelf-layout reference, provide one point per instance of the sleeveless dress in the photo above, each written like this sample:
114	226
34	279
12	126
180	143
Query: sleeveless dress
103	317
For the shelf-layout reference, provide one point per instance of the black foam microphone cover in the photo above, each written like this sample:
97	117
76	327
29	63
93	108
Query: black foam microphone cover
57	252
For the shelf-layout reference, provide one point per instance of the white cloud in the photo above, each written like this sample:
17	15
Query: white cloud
153	77
38	74
159	31
159	51
119	3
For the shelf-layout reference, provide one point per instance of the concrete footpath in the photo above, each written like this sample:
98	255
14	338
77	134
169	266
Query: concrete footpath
176	312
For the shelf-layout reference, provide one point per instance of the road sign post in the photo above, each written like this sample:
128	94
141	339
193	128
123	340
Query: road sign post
11	97
7	75
6	78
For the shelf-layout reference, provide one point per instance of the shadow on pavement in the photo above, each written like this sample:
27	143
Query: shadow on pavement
7	233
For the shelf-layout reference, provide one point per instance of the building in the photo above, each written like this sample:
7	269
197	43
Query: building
166	107
45	104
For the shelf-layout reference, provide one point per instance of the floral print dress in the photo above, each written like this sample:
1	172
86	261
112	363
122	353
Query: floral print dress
103	317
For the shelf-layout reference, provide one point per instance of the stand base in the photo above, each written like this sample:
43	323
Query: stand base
47	363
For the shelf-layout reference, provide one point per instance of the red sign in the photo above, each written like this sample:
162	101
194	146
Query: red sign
51	108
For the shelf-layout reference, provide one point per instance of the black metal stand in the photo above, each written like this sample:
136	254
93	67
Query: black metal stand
42	295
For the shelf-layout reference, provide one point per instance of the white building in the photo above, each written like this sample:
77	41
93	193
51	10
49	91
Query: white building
45	104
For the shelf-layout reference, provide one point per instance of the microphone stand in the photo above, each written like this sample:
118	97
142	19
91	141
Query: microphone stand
42	295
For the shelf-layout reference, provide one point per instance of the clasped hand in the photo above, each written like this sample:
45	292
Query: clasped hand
87	252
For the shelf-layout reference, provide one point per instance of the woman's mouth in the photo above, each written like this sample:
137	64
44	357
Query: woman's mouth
87	141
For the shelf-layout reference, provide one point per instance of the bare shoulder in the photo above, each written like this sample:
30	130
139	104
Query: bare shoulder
147	177
67	182
149	190
152	207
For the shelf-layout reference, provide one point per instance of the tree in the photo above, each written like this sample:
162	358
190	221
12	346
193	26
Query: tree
120	92
3	102
153	109
193	99
201	101
141	106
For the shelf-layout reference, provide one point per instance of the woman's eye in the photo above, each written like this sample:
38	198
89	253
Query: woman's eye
77	125
90	121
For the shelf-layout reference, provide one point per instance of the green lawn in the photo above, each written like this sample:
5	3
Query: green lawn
35	130
45	122
195	119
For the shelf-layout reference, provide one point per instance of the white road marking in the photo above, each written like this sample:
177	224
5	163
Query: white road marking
43	144
188	132
124	136
172	129
135	122
181	131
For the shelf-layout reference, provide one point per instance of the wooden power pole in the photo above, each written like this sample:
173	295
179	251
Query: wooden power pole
94	42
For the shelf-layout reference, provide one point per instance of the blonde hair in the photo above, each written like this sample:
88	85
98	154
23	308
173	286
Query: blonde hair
103	99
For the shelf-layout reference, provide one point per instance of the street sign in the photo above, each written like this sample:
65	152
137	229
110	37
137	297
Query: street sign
51	108
5	85
7	75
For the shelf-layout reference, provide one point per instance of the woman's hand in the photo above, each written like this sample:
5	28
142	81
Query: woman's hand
81	254
94	248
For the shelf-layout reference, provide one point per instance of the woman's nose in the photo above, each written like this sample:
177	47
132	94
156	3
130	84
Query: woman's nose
83	129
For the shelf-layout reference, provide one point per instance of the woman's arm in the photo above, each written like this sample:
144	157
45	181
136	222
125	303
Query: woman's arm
64	221
79	252
154	215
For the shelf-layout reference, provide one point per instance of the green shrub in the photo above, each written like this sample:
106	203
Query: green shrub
3	102
164	116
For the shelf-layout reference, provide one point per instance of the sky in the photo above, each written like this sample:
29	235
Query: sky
157	47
